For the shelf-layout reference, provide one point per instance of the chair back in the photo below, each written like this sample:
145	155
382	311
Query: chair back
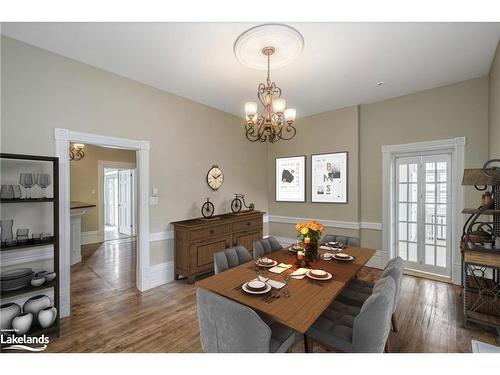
349	241
231	257
373	324
265	246
229	327
394	269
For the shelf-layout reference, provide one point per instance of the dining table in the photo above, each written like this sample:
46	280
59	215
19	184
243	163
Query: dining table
306	299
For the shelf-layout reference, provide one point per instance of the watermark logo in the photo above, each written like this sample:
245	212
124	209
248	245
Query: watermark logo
12	341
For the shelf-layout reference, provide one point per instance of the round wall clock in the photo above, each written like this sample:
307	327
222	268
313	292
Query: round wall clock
215	177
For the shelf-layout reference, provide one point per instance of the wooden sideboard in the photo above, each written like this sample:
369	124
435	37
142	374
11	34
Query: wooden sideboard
196	240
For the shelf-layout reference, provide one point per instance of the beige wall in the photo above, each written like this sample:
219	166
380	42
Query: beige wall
42	91
326	132
494	106
85	180
445	112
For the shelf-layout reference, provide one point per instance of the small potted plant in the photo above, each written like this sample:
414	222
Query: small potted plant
310	232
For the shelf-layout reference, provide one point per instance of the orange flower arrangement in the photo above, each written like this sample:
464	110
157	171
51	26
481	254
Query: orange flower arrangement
311	229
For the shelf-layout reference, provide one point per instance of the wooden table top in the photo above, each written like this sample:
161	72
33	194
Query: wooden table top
308	298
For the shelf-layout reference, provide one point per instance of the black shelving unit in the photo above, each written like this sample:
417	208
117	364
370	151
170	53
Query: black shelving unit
36	330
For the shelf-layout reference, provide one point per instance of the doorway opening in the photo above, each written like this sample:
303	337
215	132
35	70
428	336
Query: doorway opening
119	203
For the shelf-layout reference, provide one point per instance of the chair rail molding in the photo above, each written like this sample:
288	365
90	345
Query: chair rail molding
456	148
327	223
62	138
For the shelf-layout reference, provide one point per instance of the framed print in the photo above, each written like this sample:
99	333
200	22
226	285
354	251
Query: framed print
291	179
329	178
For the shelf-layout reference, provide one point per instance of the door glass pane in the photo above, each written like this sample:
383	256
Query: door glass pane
403	231
441	235
441	194
429	234
429	254
430	191
430	173
430	213
412	252
440	212
403	173
403	209
412	212
402	249
440	256
412	172
412	232
441	171
403	192
413	192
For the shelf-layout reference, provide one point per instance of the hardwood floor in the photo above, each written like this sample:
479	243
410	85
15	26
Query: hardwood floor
109	315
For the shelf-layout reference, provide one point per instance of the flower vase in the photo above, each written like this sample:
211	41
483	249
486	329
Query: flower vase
312	251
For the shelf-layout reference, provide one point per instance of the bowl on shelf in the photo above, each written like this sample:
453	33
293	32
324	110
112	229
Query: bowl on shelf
16	278
37	281
47	316
22	323
35	304
49	276
8	311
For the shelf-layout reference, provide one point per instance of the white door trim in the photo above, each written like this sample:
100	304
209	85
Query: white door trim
455	146
63	137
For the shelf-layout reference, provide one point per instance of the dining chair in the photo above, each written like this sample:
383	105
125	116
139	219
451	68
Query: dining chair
231	257
229	327
265	246
357	291
349	241
356	330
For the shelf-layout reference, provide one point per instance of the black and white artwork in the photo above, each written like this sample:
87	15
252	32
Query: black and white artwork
329	178
290	179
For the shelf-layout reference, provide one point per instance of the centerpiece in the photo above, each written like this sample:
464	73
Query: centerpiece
310	232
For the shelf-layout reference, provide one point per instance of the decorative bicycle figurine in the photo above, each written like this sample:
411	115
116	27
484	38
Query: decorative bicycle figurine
238	202
207	210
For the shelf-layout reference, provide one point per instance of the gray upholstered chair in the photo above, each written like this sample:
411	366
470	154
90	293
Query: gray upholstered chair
265	246
229	327
358	291
231	257
357	330
349	241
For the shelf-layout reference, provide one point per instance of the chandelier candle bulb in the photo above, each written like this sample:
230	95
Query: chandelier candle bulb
279	105
290	114
250	109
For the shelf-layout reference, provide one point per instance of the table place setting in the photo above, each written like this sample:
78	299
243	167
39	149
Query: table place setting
342	257
266	262
319	275
282	267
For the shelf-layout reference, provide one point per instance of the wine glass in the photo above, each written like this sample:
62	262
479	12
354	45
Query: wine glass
27	180
43	180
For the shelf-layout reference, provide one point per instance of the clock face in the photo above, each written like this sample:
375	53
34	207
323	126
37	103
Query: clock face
215	178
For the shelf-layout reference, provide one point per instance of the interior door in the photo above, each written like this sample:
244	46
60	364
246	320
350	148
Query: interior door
110	203
422	212
125	201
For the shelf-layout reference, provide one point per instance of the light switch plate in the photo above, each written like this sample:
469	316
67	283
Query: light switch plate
153	201
155	192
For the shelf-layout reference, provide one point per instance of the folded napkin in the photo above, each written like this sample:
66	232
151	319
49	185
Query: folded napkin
275	284
262	278
300	273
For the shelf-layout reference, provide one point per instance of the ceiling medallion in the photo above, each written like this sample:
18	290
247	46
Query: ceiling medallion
285	44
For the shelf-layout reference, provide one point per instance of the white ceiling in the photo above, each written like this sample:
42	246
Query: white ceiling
339	66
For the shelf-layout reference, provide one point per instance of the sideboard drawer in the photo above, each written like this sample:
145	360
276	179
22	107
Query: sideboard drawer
247	224
202	233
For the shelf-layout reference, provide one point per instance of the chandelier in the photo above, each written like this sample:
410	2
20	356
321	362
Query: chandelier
276	121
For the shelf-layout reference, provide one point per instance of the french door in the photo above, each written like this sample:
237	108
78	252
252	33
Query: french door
423	201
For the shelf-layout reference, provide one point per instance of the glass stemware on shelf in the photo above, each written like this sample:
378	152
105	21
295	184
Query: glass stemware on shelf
43	180
27	180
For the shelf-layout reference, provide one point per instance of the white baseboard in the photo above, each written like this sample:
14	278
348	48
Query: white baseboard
160	274
95	236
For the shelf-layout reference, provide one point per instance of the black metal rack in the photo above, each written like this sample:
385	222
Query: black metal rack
54	330
481	263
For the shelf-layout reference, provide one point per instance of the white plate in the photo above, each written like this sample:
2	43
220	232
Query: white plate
348	258
308	274
270	265
245	289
